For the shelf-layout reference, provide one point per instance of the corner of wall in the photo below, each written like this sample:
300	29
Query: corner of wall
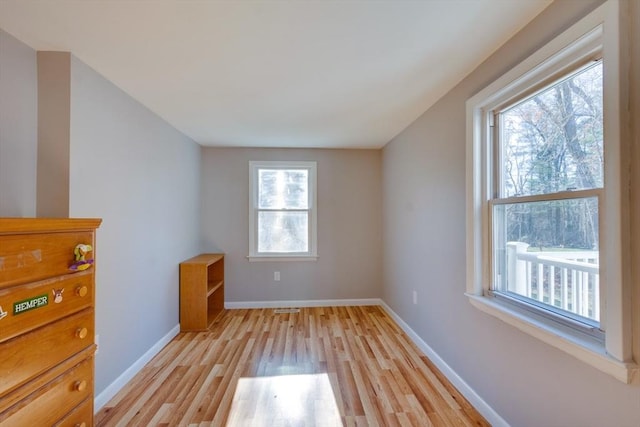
634	92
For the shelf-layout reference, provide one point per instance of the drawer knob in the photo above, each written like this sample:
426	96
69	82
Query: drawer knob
80	385
81	333
81	291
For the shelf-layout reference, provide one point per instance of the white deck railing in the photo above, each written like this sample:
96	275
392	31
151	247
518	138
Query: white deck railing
568	280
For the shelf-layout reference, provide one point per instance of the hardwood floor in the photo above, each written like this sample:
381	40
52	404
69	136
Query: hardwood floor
323	366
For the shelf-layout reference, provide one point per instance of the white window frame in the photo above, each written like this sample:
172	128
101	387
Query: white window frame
599	31
312	253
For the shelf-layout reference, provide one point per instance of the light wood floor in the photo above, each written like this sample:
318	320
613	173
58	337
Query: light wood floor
325	366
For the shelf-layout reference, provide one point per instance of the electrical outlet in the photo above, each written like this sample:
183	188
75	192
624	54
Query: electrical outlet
276	276
415	297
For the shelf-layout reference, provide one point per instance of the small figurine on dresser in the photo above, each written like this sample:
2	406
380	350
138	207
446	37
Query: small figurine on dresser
81	263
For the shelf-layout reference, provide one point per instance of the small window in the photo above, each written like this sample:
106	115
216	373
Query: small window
282	210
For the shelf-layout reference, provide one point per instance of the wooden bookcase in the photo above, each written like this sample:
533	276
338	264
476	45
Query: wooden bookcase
201	291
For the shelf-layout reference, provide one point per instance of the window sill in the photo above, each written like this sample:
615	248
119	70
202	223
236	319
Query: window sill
583	348
283	258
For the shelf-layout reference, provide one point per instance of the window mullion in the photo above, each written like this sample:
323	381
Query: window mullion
562	195
282	210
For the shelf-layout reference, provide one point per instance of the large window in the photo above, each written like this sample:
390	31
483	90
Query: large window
545	186
282	210
547	183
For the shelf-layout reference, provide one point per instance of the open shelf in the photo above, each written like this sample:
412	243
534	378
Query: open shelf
214	287
201	291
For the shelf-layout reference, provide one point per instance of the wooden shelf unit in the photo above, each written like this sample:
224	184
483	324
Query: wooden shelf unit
201	291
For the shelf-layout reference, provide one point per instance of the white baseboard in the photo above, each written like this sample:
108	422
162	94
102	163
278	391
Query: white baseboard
302	303
485	410
112	389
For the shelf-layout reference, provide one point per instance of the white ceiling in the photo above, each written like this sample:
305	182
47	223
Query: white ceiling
349	74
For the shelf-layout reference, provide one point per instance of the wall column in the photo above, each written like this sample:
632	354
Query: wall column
54	107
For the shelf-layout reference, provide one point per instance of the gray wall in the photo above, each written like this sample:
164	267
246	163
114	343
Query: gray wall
18	127
349	226
125	165
142	177
526	381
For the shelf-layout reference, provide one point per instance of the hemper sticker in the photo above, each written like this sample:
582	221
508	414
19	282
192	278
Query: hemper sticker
30	304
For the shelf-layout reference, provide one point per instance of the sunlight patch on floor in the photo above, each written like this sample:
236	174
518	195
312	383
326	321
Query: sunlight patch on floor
287	400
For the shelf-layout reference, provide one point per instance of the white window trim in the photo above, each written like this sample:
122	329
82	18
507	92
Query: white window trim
614	356
312	254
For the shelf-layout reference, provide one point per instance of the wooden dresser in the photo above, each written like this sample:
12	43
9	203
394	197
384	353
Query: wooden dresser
46	323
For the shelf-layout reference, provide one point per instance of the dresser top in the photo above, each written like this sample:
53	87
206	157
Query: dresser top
39	225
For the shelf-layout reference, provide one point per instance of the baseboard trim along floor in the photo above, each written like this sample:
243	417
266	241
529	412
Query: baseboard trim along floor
485	410
113	388
303	303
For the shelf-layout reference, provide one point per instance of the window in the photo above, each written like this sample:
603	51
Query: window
546	183
282	217
544	190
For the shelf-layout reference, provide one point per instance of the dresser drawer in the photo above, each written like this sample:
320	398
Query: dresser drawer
55	400
29	355
80	416
75	293
31	257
